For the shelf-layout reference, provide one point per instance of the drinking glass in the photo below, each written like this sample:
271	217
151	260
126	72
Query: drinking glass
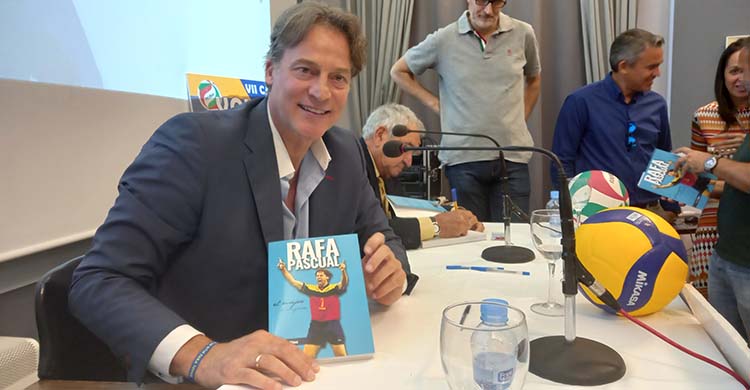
459	323
547	236
580	200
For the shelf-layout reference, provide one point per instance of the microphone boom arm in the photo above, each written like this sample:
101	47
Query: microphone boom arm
564	359
509	207
575	271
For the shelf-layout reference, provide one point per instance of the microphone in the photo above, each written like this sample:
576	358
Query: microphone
508	253
401	130
397	148
394	149
561	359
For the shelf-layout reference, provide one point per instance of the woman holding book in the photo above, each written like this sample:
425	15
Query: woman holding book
718	127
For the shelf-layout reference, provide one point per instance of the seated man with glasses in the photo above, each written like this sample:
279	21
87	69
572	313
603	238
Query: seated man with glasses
383	172
615	124
484	57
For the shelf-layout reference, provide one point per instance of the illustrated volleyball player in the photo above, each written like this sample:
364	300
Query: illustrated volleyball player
325	309
690	179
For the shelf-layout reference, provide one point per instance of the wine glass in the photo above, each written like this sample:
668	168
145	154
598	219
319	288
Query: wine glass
580	200
547	235
476	355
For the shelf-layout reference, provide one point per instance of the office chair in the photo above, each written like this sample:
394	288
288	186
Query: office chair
68	350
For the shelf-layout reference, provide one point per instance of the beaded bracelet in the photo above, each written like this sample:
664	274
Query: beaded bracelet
197	361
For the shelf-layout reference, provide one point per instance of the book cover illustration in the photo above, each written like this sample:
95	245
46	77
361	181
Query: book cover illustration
663	178
317	298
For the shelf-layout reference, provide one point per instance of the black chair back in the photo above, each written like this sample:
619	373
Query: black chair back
67	349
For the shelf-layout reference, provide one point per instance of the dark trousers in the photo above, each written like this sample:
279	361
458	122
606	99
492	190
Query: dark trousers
479	188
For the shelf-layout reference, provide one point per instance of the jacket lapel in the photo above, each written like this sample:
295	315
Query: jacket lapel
263	173
372	177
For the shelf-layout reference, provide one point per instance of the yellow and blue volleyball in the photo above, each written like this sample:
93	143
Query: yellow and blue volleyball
636	255
599	189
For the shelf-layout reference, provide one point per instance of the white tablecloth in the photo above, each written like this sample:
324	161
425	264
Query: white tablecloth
407	350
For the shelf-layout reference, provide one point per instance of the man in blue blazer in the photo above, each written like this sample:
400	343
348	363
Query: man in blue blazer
176	280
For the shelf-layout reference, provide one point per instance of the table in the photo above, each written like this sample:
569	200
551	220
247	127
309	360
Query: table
407	350
89	385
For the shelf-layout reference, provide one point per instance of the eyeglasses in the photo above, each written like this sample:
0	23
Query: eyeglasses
496	4
632	142
413	152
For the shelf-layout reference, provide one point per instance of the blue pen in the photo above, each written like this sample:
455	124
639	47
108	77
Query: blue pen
487	269
454	197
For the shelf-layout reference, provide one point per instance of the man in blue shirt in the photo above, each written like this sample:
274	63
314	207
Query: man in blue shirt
616	123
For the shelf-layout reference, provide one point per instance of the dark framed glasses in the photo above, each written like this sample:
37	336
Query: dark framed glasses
632	141
495	3
413	152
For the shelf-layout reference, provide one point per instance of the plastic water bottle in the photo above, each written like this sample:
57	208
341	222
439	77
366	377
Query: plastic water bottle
493	352
554	203
554	200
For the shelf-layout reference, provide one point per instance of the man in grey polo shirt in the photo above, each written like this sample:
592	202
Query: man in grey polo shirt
489	70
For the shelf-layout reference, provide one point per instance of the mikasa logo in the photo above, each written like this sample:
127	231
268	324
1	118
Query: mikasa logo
639	283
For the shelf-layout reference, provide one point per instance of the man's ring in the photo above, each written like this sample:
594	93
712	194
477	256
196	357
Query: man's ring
257	360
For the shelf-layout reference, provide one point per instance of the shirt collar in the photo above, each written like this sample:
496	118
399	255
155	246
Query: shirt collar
615	92
464	27
318	149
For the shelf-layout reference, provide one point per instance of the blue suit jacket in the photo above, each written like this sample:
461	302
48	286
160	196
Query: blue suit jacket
405	228
186	240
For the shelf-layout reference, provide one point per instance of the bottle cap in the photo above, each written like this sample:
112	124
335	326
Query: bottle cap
495	312
554	194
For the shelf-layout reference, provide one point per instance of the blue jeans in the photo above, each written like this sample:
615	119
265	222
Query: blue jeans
479	187
729	292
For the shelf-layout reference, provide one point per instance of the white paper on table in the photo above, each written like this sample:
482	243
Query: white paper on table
471	236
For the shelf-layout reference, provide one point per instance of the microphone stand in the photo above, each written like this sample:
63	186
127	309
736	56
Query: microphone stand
567	359
508	253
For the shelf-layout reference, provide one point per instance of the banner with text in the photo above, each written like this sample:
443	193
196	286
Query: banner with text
208	93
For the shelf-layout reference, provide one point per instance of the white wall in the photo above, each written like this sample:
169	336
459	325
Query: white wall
140	46
62	152
85	83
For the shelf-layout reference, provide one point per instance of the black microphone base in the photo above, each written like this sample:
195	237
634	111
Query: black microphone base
508	254
582	362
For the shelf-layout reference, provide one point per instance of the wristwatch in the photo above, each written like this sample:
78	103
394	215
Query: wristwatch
435	226
710	164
